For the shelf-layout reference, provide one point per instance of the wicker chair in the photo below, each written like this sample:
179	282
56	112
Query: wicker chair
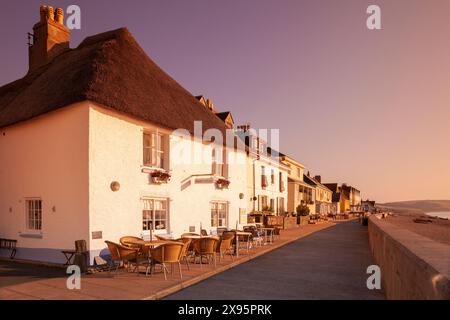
121	255
205	247
168	253
225	246
187	234
127	241
186	248
162	238
220	231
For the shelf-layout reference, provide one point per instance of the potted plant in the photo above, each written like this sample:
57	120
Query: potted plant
302	214
222	183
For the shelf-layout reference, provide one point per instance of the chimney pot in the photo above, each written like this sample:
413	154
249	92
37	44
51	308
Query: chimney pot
43	12
59	15
50	13
51	37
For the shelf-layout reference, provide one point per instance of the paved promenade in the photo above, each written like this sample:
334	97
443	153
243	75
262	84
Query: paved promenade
21	281
329	264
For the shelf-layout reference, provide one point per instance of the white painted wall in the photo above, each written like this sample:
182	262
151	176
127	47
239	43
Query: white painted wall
272	191
115	154
46	157
70	157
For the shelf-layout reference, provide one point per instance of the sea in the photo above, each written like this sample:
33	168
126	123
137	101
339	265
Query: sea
441	214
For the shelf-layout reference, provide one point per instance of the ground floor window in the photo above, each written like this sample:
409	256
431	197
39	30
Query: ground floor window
155	215
262	203
219	214
280	205
33	209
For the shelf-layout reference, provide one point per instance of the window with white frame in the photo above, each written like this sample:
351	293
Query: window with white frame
154	153
217	162
219	214
155	215
33	208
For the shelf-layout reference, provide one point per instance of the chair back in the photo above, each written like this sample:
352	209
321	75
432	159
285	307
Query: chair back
186	245
187	234
226	241
126	241
161	238
205	245
230	233
80	246
220	231
168	252
112	247
127	253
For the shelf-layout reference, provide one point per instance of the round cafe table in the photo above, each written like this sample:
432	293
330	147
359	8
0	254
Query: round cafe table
151	244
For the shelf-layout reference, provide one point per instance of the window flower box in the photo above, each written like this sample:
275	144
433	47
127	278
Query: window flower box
160	176
222	183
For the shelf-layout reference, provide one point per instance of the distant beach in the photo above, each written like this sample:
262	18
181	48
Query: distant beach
441	214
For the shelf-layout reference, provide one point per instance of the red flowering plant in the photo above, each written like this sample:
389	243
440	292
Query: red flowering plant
159	176
222	183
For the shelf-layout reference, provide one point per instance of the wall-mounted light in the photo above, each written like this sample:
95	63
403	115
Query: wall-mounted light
241	196
115	186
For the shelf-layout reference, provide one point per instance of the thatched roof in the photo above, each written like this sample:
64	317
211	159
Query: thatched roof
110	69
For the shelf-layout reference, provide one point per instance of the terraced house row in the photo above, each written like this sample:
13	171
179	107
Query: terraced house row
97	142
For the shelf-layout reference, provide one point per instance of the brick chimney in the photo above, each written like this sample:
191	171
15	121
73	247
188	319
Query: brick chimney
50	37
318	179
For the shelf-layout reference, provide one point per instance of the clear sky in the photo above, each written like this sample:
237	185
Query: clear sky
369	108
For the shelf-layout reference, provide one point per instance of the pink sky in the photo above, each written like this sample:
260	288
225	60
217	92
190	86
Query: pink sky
370	108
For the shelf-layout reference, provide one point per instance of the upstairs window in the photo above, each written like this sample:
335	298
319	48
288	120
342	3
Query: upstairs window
219	168
263	177
154	149
33	209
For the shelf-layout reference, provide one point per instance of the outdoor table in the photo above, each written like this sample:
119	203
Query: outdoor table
69	255
151	244
241	233
266	233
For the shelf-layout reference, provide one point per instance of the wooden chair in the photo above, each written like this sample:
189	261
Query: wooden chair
121	255
205	247
168	253
225	246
